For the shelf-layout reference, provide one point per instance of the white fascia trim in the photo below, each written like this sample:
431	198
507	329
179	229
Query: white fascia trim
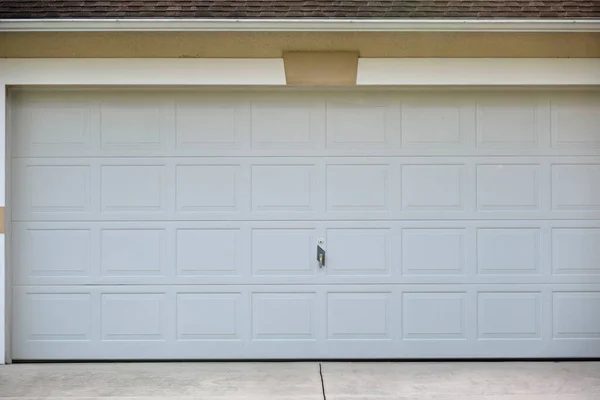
478	71
143	71
300	25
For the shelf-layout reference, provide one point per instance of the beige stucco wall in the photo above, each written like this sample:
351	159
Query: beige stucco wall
272	44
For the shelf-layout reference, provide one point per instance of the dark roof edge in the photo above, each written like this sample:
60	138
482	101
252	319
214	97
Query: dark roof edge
301	25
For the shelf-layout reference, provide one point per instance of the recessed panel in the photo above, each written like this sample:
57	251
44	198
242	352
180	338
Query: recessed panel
575	315
57	317
358	252
357	123
282	187
576	250
358	316
51	126
508	251
283	316
508	187
133	188
283	252
56	189
208	316
358	187
281	125
200	124
133	316
57	252
433	251
433	316
431	124
133	252
205	188
509	316
508	123
207	251
575	122
433	187
576	187
130	125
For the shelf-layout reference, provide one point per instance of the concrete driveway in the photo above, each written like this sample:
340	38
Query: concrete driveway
304	381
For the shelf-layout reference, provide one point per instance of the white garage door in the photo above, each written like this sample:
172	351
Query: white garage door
149	225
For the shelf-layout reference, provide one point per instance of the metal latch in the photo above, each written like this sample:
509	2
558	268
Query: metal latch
321	256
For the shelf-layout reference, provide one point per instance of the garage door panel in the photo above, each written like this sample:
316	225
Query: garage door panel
133	189
285	252
575	121
52	189
345	117
205	123
133	252
509	187
575	251
173	224
53	123
284	187
359	187
509	251
57	317
197	319
57	253
509	315
512	121
351	188
328	321
285	123
137	125
576	187
206	251
437	123
284	316
359	251
277	252
449	259
575	315
364	316
133	317
205	188
446	311
434	187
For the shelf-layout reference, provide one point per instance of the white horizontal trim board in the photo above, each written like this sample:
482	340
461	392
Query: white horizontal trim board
479	71
201	71
375	71
316	25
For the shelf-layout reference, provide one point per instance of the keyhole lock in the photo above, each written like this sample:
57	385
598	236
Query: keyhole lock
321	241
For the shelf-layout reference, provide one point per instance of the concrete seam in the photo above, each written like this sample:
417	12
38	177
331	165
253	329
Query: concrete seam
322	381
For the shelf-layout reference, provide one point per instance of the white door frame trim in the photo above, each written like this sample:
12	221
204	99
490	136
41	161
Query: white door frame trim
264	72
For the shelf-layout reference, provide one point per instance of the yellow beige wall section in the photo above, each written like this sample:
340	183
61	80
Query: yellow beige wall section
273	44
320	67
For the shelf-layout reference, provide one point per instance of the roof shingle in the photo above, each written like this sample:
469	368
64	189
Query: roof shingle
549	9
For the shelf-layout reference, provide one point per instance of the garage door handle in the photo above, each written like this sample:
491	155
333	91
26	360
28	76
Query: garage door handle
321	256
